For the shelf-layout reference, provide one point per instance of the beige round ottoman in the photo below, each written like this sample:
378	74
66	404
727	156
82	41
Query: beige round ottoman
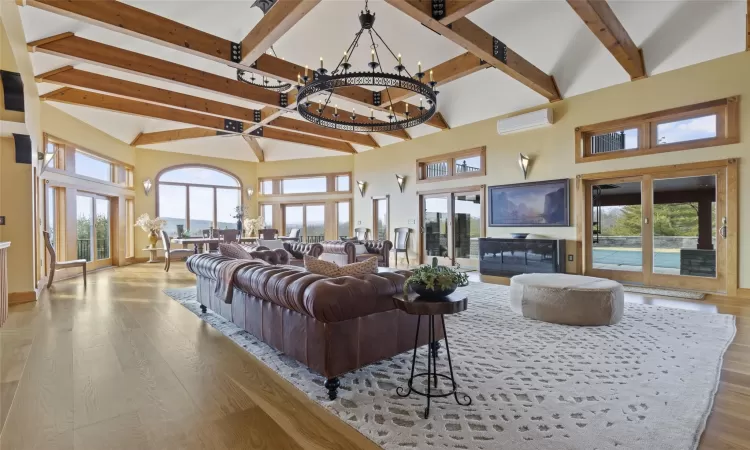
567	299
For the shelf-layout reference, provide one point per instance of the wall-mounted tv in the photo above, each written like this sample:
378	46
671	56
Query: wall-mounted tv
537	204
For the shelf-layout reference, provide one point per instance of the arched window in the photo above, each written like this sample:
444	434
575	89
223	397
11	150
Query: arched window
196	198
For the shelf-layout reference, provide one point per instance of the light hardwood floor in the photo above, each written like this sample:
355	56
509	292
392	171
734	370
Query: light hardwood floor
122	366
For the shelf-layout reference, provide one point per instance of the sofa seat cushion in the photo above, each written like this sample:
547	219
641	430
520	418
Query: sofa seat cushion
378	257
567	299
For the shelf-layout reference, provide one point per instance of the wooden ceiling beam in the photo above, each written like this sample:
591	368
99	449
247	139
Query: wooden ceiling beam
255	147
84	50
282	16
122	88
602	21
71	77
453	69
120	17
123	105
452	9
485	46
304	126
158	137
306	139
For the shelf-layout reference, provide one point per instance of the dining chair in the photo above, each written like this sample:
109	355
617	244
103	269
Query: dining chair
207	233
229	235
54	264
401	243
170	252
362	233
294	235
268	233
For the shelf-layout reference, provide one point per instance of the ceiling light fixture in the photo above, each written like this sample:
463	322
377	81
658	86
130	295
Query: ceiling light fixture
325	84
265	82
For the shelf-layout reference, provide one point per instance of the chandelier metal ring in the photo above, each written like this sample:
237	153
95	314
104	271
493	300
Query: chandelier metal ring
328	83
249	78
325	83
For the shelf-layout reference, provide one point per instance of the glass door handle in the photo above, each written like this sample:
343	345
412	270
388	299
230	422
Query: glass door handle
723	229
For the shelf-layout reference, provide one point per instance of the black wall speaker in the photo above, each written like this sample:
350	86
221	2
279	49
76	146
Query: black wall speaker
12	90
23	148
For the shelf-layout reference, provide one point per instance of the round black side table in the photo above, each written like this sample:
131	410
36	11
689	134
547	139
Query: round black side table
419	306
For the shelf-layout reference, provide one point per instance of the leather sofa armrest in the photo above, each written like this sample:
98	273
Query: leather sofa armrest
206	264
298	250
340	247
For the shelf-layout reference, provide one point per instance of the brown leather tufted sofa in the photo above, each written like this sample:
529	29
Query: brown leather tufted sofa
276	257
331	325
381	249
339	252
298	250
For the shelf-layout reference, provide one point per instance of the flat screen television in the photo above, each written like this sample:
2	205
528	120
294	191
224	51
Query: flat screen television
537	204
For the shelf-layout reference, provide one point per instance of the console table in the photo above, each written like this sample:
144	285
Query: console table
506	257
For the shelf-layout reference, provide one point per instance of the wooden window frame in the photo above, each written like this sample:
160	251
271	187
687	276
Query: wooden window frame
451	158
187	187
303	229
65	163
330	184
727	130
260	213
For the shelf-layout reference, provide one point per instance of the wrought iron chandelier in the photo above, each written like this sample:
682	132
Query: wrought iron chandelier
265	82
323	83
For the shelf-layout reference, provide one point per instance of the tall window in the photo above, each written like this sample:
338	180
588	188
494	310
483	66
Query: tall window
310	219
380	217
129	228
343	219
267	212
191	199
463	164
51	215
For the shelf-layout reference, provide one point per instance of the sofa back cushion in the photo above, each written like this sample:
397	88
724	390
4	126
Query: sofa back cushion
234	250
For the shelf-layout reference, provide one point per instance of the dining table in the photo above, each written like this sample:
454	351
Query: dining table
198	243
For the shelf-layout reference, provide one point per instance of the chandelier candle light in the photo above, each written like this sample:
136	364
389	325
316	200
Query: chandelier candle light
324	84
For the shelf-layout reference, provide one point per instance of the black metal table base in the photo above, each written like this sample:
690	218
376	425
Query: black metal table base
431	374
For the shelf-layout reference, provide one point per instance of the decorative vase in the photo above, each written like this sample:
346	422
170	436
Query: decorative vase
153	238
431	294
239	226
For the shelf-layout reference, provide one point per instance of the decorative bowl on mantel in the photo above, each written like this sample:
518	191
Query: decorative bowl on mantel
519	235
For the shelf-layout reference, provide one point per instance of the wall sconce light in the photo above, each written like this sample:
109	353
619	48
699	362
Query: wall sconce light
250	192
362	185
523	163
401	180
147	186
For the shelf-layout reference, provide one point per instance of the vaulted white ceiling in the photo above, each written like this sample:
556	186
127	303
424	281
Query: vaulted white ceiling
548	33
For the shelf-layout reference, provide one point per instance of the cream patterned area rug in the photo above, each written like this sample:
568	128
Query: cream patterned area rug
645	383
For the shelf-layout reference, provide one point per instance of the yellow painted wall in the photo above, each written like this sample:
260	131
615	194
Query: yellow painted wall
7	62
344	163
148	164
64	126
553	147
15	179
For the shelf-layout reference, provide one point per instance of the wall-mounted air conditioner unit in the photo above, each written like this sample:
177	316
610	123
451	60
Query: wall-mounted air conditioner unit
524	122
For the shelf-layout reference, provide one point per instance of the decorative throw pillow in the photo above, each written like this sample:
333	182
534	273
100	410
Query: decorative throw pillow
329	269
370	265
321	267
233	251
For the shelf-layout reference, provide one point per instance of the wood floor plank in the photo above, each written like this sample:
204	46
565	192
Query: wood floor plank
122	366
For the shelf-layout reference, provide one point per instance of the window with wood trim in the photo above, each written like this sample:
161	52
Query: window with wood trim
695	126
463	164
73	160
380	218
328	183
129	228
344	219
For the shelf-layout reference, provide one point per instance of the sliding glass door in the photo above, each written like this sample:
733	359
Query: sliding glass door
93	230
309	218
661	229
452	223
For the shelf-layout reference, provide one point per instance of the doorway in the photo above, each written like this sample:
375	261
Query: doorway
451	224
93	230
667	227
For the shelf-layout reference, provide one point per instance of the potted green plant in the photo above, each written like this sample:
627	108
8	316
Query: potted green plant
435	281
